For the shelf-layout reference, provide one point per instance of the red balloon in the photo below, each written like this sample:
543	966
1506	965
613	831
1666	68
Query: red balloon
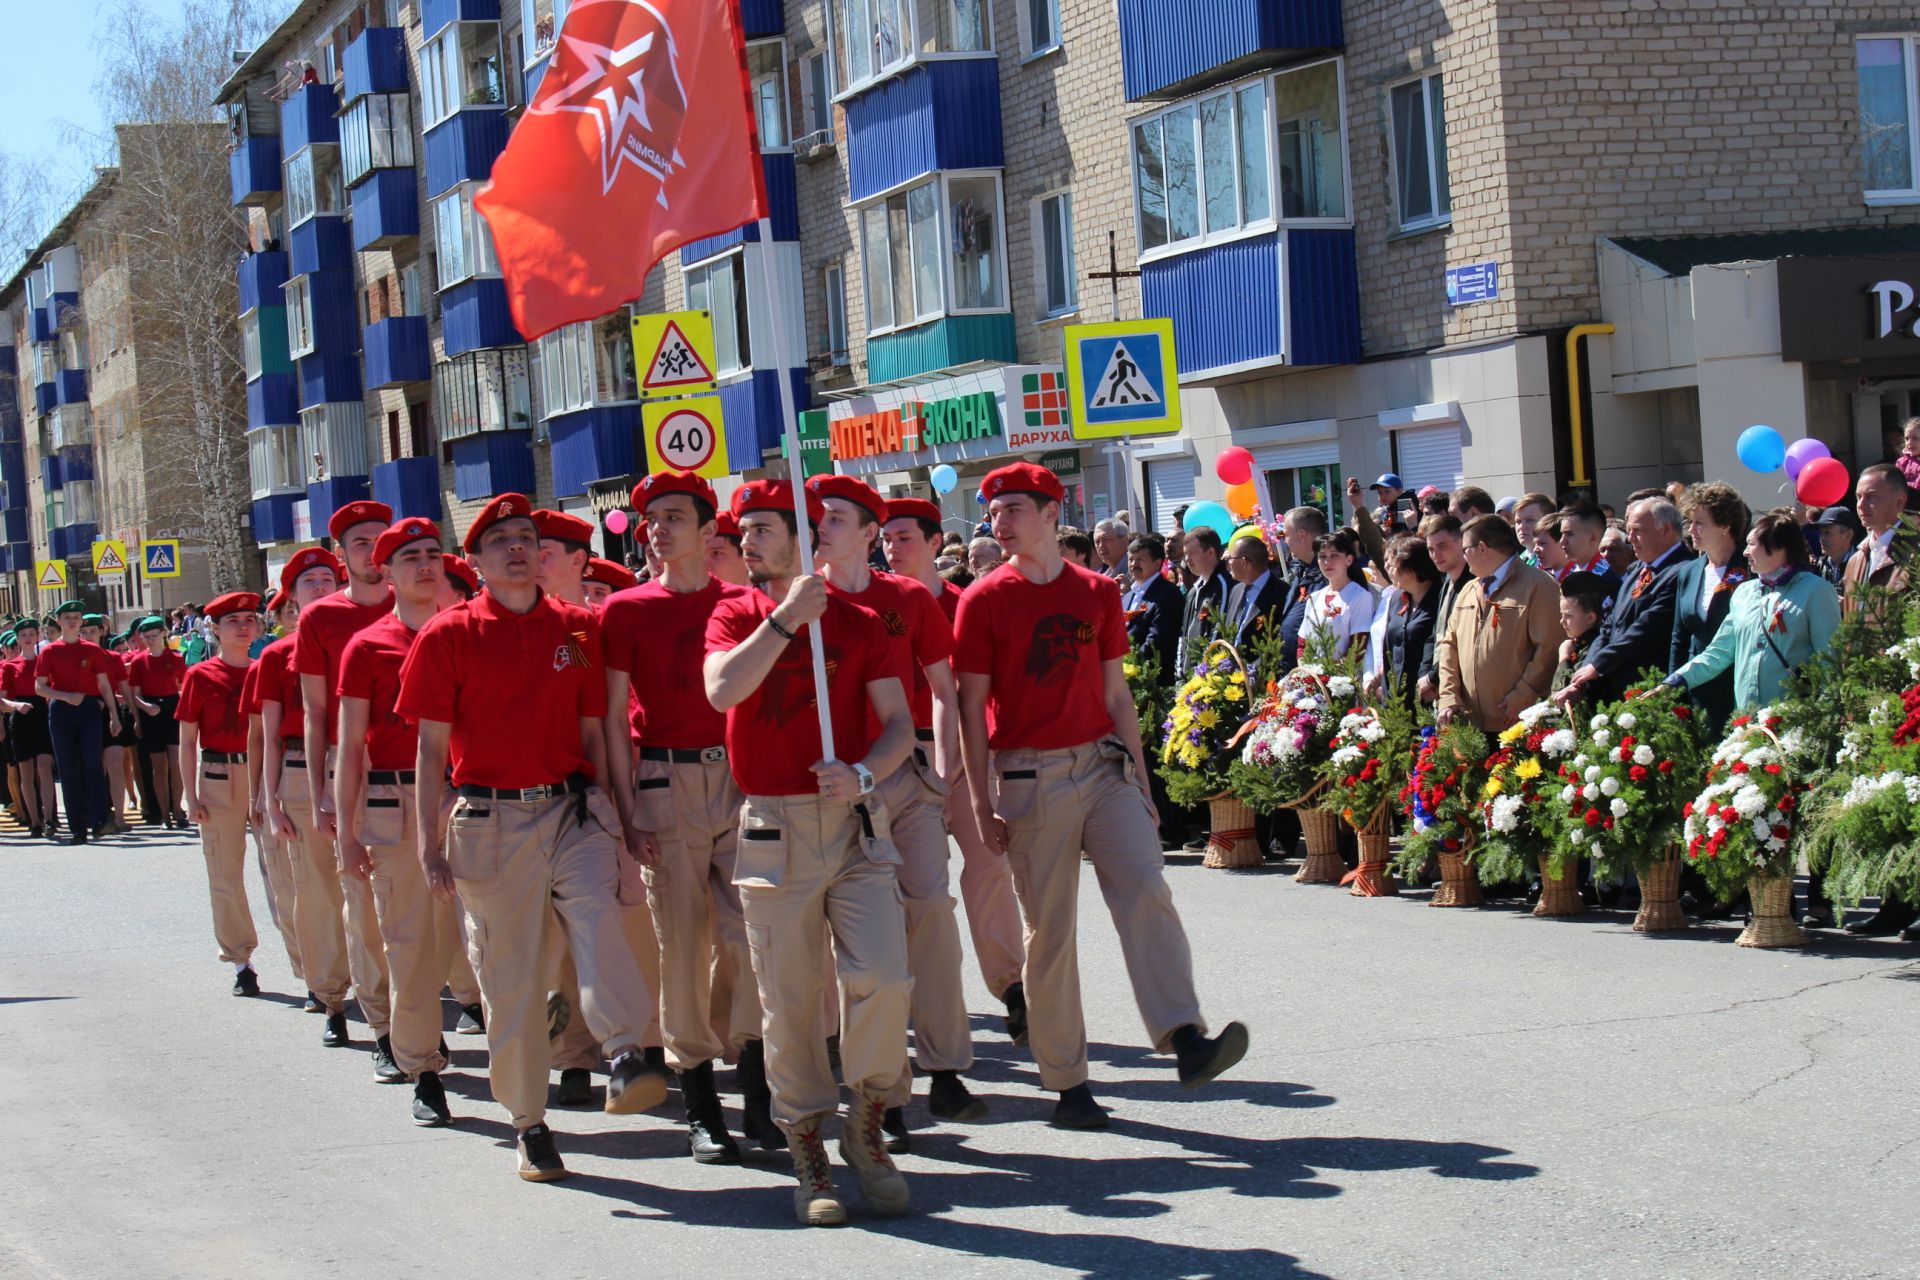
1822	482
1234	465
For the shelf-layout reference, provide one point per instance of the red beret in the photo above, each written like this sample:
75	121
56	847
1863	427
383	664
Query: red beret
562	527
460	570
772	495
412	529
607	573
508	506
1022	477
361	512
278	599
727	525
640	532
310	558
662	483
233	602
913	509
849	489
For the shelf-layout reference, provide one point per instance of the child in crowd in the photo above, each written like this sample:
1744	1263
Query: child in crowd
1584	600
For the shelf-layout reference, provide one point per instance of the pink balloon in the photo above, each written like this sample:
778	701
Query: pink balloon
1234	465
616	522
1822	482
1801	452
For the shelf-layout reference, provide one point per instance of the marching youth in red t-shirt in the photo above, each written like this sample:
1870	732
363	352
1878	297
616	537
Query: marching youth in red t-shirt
918	636
276	682
325	627
659	638
74	667
211	697
157	675
370	669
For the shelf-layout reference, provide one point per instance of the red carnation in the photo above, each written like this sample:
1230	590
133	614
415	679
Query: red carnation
1666	766
1686	811
1638	773
1739	766
1771	768
1780	832
1685	713
1592	818
1607	823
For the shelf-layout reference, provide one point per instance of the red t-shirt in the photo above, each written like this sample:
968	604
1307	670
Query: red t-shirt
1043	646
948	598
370	669
276	682
513	686
918	635
659	638
157	675
321	638
16	678
75	667
773	735
211	697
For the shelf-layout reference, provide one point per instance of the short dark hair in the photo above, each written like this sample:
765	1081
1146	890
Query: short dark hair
930	530
1207	536
1471	497
1078	542
1653	491
1590	591
1885	471
1446	522
1151	543
1410	552
1592	518
1313	518
1346	542
1778	530
1435	503
1492	532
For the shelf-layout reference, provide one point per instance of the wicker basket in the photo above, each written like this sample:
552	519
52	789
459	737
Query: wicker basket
1231	845
1371	879
1660	896
1773	924
1559	895
1459	885
1322	830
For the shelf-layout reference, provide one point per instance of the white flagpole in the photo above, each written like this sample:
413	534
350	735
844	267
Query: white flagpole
796	471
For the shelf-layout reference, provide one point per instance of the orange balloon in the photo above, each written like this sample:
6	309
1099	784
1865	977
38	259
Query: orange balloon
1242	499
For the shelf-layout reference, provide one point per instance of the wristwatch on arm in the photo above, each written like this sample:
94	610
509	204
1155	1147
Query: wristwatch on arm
865	775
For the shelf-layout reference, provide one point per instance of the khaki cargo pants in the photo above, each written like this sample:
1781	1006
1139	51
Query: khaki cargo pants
1057	804
986	889
419	933
916	805
333	912
223	839
276	870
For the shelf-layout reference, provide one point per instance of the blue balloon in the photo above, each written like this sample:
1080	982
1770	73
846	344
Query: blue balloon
943	478
1761	449
1213	515
980	497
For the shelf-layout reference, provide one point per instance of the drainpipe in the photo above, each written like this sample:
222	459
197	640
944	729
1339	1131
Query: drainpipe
1575	407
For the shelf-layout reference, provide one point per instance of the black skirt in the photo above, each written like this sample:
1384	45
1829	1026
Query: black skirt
28	731
157	733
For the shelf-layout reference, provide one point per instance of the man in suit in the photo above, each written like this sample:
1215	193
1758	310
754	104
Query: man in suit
1449	557
1301	526
1638	633
1258	597
1152	603
1200	616
1503	635
1110	550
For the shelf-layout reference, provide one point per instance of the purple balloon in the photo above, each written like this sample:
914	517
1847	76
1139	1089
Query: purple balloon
1801	452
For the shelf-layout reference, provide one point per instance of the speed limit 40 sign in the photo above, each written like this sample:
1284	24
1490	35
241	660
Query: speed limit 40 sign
686	435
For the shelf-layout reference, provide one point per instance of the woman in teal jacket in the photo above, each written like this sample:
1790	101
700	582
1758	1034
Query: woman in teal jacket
1776	620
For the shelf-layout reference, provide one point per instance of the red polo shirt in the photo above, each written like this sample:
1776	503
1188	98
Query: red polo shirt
75	667
370	669
1043	647
16	678
773	735
211	697
918	636
513	686
157	675
275	681
948	598
659	638
321	638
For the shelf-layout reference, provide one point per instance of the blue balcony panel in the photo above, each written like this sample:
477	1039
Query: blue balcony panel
463	147
273	400
435	14
323	243
9	359
60	309
73	541
941	115
39	325
411	486
273	517
941	344
13	525
327	496
308	116
76	462
762	18
1323	296
1168	51
386	209
490	463
329	377
594	444
376	62
752	409
253	169
336	312
1227	308
783	213
397	352
474	315
13	470
45	396
262	276
72	387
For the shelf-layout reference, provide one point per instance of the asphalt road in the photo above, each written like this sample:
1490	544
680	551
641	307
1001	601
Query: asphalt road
1429	1094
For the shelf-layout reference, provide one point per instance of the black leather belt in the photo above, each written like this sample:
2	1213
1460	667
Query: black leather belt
572	786
923	735
390	777
684	755
224	757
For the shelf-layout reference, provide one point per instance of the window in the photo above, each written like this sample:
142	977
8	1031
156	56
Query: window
333	440
1040	25
463	239
81	508
299	317
875	38
1420	153
273	460
1200	169
767	69
411	301
313	183
47	362
719	288
73	347
973	208
1310	142
250	343
833	285
377	133
901	240
588	364
460	68
1887	117
72	425
482	391
542	22
1053	245
819	93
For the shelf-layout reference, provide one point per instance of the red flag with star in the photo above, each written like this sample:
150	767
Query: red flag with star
639	140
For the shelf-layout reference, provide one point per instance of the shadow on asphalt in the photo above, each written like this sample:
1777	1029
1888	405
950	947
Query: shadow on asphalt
34	999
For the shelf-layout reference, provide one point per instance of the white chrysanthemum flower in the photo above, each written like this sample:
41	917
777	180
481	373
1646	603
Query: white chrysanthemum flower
1593	772
1618	808
1590	791
1577	836
1609	786
1567	794
1643	754
1602	737
1748	801
1558	743
1598	722
1627	720
1340	686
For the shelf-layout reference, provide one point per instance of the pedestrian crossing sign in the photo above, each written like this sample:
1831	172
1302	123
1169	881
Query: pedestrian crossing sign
50	573
162	557
674	352
110	558
1122	379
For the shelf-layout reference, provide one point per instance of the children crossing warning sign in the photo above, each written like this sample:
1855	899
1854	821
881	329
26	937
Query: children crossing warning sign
674	353
110	558
1122	379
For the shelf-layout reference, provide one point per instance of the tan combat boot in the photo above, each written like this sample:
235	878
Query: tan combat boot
814	1200
864	1146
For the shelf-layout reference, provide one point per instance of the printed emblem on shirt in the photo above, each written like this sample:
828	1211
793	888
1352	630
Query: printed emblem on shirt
896	625
788	691
1050	654
571	653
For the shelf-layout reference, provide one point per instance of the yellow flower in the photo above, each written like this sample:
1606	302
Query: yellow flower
1527	770
1234	695
1208	718
1493	788
1238	677
1130	669
1513	734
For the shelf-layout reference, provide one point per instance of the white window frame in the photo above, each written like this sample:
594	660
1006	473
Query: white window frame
1028	48
461	376
250	354
273	460
833	292
569	360
463	242
359	129
337	432
1440	184
782	82
300	336
1910	65
1273	145
303	162
735	261
1242	227
942	182
529	25
443	65
842	78
1062	217
817	99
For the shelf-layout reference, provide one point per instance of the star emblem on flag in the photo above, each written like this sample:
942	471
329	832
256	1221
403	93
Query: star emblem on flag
631	91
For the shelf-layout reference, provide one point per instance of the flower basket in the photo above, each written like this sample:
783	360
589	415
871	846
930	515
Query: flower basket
1660	896
1321	828
1519	818
1625	791
1559	893
1773	924
1372	751
1371	879
1231	845
1739	828
1288	739
1441	801
1459	884
1203	725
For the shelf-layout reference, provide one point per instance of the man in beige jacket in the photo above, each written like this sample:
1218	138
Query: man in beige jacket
1497	656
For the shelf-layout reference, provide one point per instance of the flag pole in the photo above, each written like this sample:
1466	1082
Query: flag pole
796	469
